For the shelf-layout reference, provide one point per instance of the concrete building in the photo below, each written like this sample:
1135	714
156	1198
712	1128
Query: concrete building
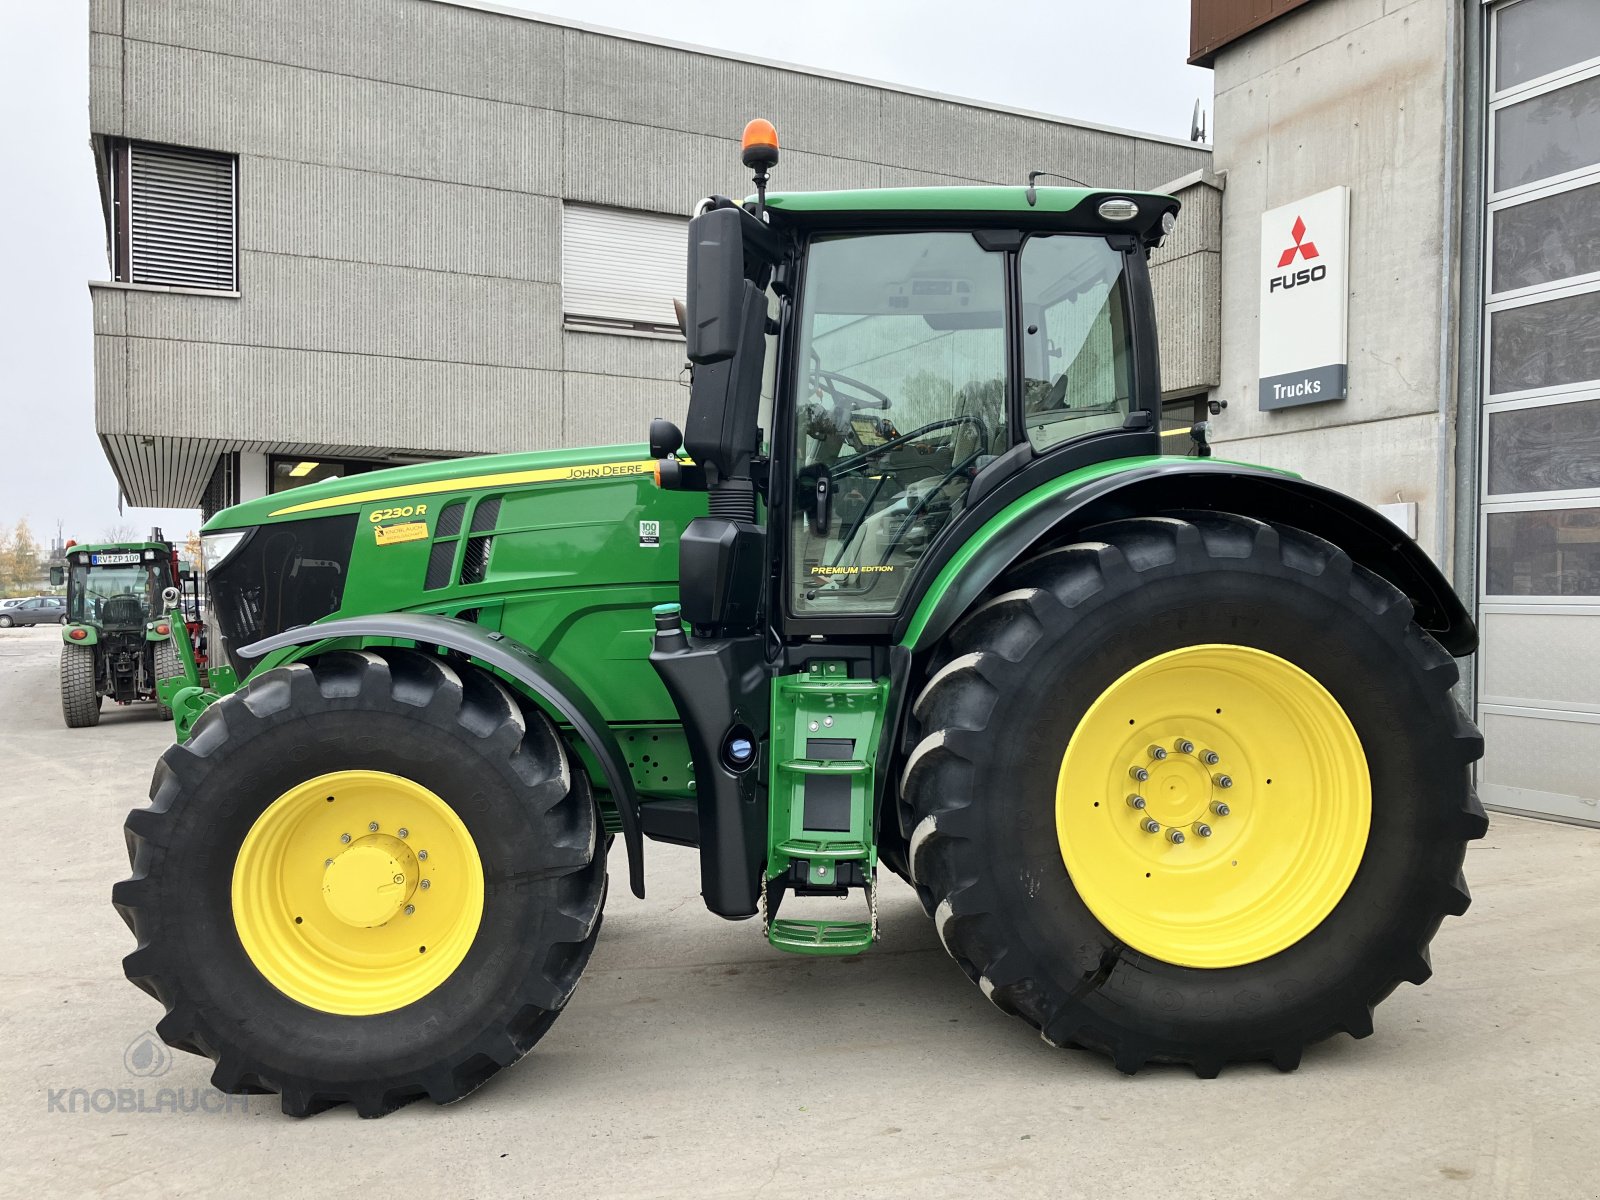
1464	136
348	234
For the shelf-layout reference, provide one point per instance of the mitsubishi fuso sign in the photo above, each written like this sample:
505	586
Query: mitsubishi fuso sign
1305	300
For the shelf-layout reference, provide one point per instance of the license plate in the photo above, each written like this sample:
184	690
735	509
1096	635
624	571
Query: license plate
112	560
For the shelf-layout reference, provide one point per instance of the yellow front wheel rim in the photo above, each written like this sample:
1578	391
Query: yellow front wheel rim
357	892
1213	806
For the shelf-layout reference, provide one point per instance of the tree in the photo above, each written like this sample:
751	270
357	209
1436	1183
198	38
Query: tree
118	533
194	552
19	560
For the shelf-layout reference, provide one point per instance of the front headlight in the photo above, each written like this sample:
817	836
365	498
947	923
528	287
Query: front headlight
217	546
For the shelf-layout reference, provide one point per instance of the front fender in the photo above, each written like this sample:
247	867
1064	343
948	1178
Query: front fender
538	678
1068	502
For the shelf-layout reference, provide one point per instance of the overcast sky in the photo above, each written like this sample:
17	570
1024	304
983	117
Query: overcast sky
1114	62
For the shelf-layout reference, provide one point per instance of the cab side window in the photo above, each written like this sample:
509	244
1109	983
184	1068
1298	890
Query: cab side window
1075	341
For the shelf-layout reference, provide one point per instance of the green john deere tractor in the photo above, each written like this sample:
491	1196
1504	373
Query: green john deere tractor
1166	745
117	635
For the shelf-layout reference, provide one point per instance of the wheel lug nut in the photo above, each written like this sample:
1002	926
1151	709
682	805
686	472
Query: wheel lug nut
403	832
1221	809
344	837
327	862
1158	752
1135	801
423	854
410	908
1183	746
1175	836
372	827
1209	757
1201	829
1150	825
1222	781
426	885
1139	774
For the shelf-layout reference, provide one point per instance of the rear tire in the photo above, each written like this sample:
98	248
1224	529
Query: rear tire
80	696
526	810
987	789
165	666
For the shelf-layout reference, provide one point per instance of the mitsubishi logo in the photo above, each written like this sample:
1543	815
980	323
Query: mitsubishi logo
1306	250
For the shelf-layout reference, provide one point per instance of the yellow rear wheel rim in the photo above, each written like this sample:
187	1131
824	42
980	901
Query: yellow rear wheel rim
357	892
1250	819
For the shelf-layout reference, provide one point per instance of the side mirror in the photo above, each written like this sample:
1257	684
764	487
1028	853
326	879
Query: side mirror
58	576
716	286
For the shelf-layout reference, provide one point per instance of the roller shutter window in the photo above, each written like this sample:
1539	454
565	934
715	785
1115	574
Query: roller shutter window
621	271
176	216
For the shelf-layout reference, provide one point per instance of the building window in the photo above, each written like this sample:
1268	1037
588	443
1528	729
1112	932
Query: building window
175	216
286	473
621	271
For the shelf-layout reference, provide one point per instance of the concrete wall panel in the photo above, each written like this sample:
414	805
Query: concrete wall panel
433	46
1340	93
621	80
105	84
192	98
105	16
660	359
603	410
362	308
197	389
367	217
1378	462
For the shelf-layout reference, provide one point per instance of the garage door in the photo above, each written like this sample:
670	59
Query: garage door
1539	551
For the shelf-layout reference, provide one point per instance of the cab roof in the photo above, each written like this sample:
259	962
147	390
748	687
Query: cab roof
1071	208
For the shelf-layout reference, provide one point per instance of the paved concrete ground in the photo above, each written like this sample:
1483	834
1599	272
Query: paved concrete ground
694	1061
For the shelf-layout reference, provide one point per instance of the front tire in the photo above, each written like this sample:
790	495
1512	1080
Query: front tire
261	895
1289	918
5	621
80	693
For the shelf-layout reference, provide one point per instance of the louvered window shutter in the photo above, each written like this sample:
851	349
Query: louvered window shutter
621	270
180	209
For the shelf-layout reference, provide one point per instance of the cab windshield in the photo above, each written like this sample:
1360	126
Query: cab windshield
123	595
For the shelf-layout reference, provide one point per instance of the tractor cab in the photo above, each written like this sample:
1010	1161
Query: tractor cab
876	375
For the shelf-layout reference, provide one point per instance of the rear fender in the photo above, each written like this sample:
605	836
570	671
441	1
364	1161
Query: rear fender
91	635
534	676
1057	508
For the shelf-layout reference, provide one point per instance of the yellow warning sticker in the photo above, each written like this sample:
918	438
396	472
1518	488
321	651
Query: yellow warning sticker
406	531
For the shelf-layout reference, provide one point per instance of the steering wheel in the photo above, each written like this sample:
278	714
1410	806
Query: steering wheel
857	394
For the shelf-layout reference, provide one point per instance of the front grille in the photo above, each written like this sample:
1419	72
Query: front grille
280	577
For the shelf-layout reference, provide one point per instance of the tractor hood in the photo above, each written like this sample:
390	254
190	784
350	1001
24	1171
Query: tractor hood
489	539
434	478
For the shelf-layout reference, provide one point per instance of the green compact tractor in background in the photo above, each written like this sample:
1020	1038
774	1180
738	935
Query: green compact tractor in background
117	634
1166	746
